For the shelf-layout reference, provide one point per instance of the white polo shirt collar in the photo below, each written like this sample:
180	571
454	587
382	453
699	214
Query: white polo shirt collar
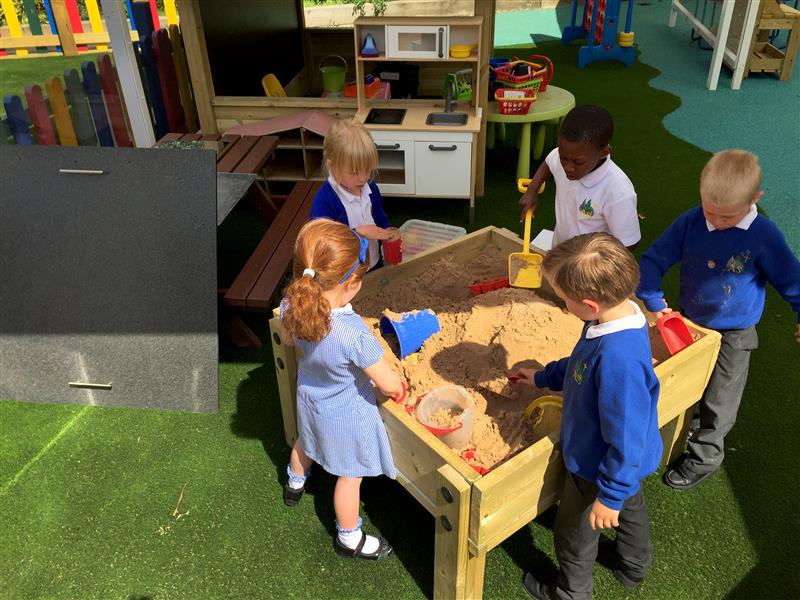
592	178
366	192
635	321
359	212
744	223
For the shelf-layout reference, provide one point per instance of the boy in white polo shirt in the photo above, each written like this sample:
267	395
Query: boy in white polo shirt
592	192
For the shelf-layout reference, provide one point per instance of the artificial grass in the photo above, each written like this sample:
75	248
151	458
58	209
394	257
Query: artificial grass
92	516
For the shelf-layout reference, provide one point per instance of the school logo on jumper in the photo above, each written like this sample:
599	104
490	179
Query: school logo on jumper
577	372
586	208
737	262
712	264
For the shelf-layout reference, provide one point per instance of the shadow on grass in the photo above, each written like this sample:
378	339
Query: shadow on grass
391	511
525	553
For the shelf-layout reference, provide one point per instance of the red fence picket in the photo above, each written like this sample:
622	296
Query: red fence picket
40	116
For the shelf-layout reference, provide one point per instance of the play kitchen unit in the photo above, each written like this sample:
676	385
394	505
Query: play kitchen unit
426	147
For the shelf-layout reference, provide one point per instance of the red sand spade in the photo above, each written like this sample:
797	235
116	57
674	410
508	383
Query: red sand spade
674	331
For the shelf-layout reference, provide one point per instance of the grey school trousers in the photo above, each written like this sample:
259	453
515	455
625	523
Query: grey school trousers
720	402
576	542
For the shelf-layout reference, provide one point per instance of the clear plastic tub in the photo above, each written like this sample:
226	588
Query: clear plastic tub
452	397
419	236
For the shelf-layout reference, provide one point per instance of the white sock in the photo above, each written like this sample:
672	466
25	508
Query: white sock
351	539
295	481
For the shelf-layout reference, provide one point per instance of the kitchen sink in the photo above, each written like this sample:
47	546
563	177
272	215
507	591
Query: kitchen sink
446	118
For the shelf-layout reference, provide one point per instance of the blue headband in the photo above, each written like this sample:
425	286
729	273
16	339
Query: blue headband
362	256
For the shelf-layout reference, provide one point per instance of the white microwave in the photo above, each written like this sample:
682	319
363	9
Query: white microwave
417	41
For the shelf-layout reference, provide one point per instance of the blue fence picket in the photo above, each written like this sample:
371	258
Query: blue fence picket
130	14
154	85
17	120
48	9
91	84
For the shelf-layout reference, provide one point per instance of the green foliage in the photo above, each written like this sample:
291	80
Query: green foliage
378	7
23	17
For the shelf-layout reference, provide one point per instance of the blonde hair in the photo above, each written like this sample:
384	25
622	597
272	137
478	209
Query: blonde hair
350	148
596	266
331	249
731	177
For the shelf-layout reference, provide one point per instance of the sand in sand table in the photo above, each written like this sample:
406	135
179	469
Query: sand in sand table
482	338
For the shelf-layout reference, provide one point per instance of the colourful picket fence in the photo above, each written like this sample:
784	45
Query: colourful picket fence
86	108
67	35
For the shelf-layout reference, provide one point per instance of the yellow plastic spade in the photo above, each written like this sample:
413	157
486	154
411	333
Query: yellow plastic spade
536	410
525	268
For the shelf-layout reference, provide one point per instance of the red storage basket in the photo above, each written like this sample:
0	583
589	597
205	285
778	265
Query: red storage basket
546	72
539	77
514	102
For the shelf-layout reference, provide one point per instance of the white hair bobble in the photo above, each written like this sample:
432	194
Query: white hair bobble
310	272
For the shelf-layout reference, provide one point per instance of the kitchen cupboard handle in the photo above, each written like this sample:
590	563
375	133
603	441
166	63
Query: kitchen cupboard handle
389	147
441	42
442	148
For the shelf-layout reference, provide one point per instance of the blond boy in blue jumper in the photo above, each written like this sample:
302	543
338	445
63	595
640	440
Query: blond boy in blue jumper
728	253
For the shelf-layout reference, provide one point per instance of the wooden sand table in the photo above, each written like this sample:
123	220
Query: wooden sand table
482	338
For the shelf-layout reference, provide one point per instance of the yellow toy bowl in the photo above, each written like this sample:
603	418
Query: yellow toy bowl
461	51
536	410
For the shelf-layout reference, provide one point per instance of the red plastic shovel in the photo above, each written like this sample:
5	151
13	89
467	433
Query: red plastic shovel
674	331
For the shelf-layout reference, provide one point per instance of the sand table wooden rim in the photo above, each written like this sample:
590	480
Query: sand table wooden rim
482	338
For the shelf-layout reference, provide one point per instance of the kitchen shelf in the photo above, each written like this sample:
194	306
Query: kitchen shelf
382	58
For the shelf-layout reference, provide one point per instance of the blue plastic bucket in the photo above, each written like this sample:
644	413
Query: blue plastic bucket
412	329
494	63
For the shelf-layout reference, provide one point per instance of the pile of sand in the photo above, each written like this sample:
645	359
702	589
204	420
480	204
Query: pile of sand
482	338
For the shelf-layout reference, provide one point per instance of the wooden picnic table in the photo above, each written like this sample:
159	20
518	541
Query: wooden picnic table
240	154
262	274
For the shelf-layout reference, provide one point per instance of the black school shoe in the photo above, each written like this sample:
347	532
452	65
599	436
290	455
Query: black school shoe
382	553
536	588
291	496
608	556
684	478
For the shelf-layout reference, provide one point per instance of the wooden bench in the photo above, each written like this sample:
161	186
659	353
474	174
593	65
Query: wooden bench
262	274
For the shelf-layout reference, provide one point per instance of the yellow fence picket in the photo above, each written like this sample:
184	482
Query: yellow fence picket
61	116
13	22
171	11
96	21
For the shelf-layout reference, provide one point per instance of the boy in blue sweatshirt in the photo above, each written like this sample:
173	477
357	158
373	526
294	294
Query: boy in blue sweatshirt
609	423
728	253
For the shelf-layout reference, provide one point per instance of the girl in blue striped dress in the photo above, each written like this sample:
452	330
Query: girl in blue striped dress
337	415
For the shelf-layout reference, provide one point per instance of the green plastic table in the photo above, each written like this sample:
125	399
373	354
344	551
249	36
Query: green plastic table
549	109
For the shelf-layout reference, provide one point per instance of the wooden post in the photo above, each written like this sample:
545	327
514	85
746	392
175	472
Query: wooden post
194	41
485	9
452	529
64	29
285	364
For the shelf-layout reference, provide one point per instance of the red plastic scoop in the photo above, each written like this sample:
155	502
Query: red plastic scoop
674	331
